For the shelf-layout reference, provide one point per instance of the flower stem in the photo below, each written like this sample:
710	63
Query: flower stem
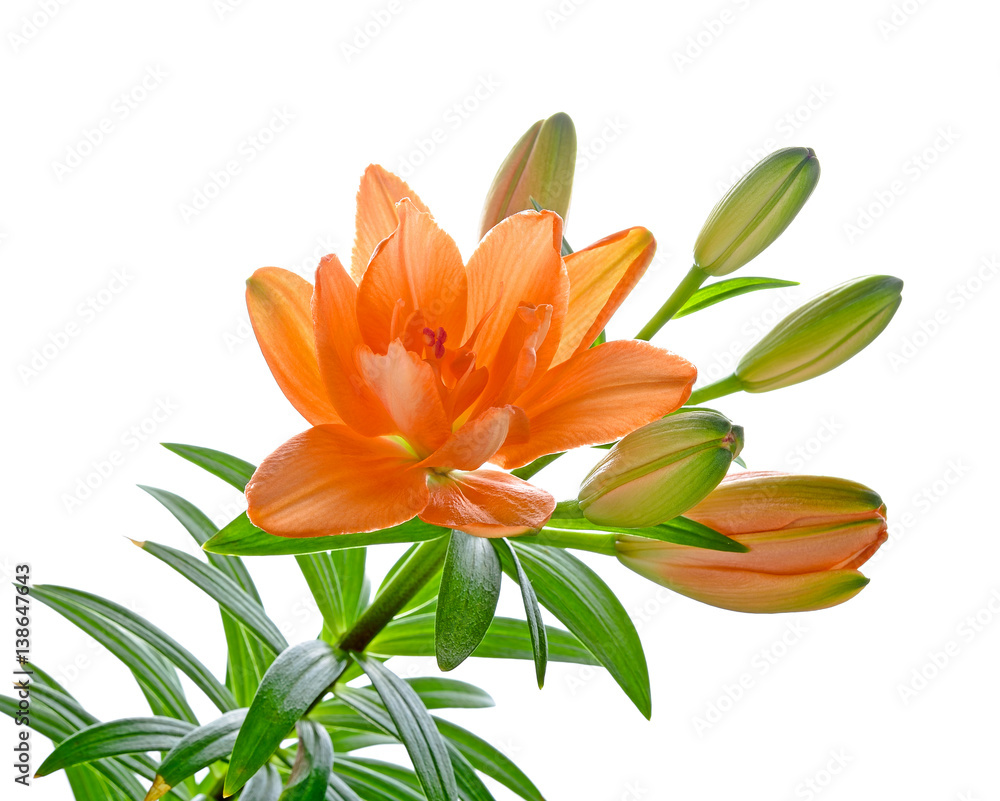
529	470
414	574
724	386
685	289
602	543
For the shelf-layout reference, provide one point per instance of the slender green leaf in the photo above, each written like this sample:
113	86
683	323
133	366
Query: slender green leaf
345	740
416	730
425	599
586	606
156	677
298	676
233	598
339	790
198	749
336	581
467	601
441	692
125	736
724	290
507	638
313	763
264	785
87	784
532	612
488	760
680	530
370	780
243	538
86	603
236	472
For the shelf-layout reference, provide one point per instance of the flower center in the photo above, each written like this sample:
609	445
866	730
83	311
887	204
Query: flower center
435	340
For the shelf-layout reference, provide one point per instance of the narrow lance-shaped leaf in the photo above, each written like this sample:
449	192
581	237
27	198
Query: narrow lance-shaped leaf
313	763
532	612
230	469
335	580
724	290
298	676
222	589
583	602
416	730
470	589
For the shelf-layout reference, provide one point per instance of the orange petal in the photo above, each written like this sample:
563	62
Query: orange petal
517	264
279	306
600	278
331	480
378	195
408	390
338	340
598	395
418	264
476	442
486	503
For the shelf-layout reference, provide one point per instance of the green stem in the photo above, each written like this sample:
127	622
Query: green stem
414	574
685	289
603	543
529	470
725	386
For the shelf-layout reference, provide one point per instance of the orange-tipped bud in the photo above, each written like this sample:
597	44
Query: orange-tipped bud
807	536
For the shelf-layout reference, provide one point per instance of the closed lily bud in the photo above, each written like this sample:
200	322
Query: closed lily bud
755	211
660	470
822	334
539	167
806	535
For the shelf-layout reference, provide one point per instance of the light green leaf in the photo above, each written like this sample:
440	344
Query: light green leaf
198	749
298	676
586	606
313	763
467	601
532	612
264	786
230	469
371	780
679	530
416	730
724	290
336	581
488	760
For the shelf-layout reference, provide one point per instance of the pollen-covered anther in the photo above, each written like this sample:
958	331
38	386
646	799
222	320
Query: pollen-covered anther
435	340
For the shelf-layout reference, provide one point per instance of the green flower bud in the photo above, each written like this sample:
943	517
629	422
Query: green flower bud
540	166
660	470
822	334
755	211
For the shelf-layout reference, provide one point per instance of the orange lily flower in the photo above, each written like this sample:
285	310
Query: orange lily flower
416	369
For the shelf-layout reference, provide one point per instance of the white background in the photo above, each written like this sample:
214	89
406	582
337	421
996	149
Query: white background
671	103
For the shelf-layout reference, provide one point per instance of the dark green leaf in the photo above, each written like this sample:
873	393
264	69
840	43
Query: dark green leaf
467	601
233	471
532	612
125	736
336	581
416	730
507	638
86	603
87	784
313	762
373	781
298	676
488	760
242	538
730	288
233	598
586	606
200	748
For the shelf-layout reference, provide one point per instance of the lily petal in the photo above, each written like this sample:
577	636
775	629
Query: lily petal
475	443
600	278
517	264
279	306
599	395
331	480
486	503
378	195
408	390
417	267
338	340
